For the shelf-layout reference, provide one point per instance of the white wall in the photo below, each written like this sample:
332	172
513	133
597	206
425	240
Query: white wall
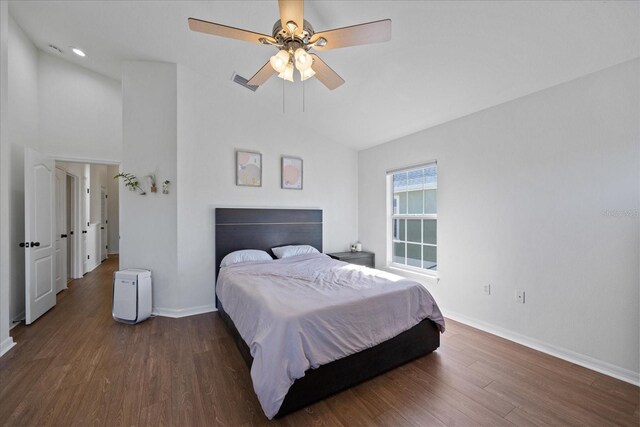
113	213
80	112
208	135
148	226
524	188
6	342
22	131
172	125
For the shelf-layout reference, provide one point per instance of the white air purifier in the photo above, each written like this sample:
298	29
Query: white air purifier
131	295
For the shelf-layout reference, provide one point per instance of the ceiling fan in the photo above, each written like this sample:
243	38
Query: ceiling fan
294	37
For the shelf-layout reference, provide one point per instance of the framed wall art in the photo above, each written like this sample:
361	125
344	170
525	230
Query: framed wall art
248	168
291	173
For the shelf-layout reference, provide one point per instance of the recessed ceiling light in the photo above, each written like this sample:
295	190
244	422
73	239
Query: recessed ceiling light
55	48
78	52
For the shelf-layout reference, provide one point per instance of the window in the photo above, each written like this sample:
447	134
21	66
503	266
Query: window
414	217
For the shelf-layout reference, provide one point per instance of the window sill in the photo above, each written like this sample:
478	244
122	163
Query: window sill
430	278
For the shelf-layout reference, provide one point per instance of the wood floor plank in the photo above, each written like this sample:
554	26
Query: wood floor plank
574	394
411	409
77	366
496	345
450	371
616	388
522	418
374	406
583	406
476	403
350	410
521	398
394	418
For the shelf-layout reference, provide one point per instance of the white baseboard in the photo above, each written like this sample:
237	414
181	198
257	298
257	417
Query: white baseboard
183	312
16	322
112	253
93	267
559	352
6	345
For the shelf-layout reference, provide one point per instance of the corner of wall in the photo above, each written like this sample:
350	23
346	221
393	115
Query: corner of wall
6	341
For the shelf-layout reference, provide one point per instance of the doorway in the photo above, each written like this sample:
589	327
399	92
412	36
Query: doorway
87	194
64	204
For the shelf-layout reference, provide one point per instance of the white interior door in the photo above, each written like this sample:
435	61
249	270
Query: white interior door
84	223
39	192
60	235
70	228
104	226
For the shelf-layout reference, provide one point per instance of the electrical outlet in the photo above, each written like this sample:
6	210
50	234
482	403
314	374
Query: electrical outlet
487	289
520	297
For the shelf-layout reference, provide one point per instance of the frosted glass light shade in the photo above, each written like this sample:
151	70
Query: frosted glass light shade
303	59
304	75
287	74
279	61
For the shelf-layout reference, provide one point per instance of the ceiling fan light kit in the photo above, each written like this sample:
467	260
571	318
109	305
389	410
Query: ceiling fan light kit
279	61
287	74
303	59
304	75
294	43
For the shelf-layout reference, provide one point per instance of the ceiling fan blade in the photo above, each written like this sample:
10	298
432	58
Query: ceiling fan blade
325	74
262	75
292	10
226	31
371	32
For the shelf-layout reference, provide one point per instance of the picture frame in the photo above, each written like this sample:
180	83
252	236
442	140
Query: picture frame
291	173
248	168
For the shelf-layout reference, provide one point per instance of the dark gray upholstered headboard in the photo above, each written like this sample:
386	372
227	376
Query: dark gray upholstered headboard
243	228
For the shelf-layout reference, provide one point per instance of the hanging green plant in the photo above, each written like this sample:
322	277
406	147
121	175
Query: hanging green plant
130	181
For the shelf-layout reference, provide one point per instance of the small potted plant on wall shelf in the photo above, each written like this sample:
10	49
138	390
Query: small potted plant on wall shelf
131	182
152	182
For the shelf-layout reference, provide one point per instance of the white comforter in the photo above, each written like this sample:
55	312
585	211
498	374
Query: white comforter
305	311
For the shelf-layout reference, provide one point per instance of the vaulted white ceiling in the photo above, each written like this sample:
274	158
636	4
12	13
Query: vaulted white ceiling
445	60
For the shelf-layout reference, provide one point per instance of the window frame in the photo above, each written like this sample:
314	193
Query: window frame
391	216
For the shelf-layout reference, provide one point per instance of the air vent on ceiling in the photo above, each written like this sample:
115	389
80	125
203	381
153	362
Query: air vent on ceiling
56	49
243	82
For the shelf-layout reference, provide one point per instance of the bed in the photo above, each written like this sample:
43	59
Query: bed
263	229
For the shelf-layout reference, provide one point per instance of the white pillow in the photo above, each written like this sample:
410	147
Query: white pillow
245	256
293	250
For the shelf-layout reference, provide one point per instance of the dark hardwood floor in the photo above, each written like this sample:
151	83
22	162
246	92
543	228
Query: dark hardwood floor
76	366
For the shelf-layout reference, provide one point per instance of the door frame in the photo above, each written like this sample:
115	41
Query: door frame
104	223
62	230
77	271
74	239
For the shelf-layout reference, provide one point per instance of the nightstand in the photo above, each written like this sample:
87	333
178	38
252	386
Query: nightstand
367	259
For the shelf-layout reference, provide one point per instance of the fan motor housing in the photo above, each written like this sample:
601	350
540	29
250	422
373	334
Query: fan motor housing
283	36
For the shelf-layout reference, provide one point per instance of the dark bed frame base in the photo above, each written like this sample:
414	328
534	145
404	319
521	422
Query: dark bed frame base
343	373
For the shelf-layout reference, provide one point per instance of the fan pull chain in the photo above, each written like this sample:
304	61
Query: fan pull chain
303	96
282	96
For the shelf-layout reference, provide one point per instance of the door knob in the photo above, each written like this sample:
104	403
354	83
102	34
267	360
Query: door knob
63	236
71	233
101	228
35	244
23	244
